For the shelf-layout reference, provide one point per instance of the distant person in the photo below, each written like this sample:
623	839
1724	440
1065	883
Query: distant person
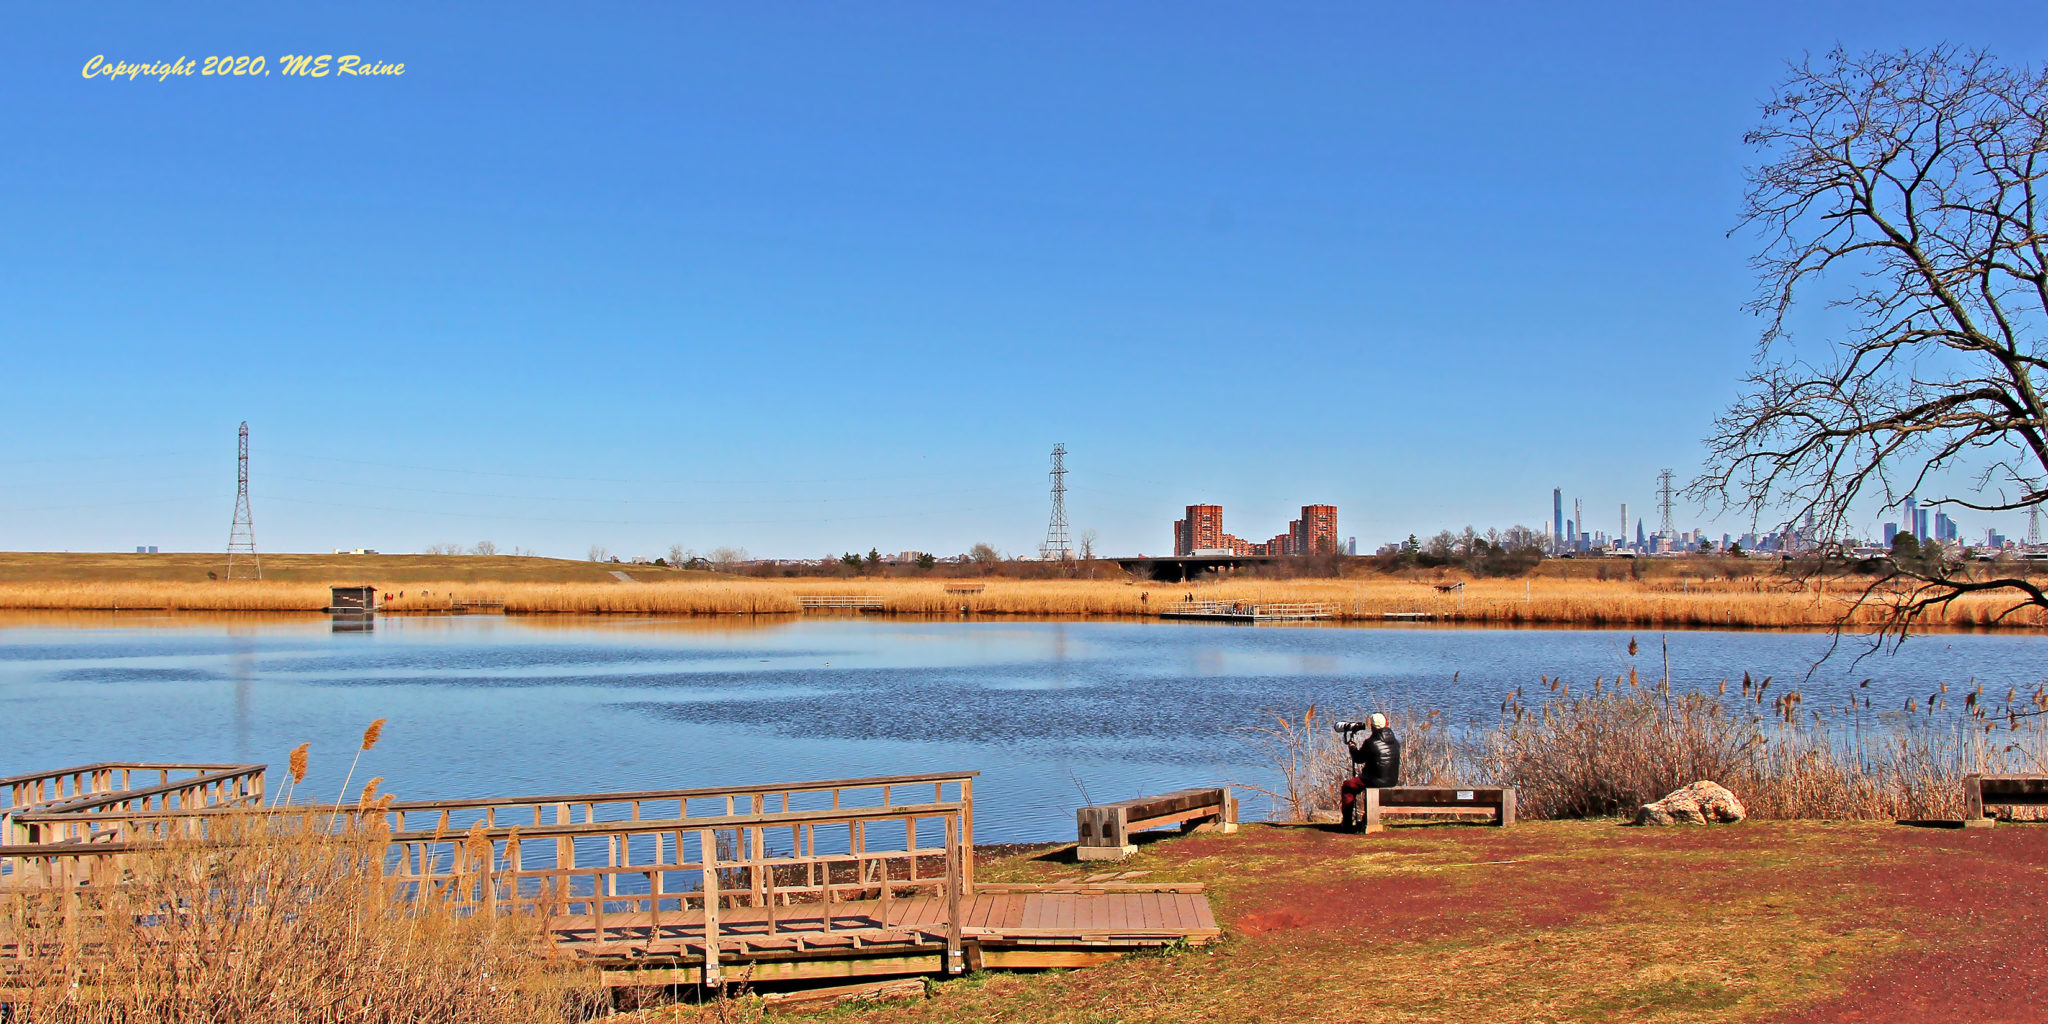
1378	759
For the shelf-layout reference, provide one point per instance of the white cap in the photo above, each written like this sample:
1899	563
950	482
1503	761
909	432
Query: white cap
1379	721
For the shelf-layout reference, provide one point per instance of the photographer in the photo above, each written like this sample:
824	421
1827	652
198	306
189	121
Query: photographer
1378	758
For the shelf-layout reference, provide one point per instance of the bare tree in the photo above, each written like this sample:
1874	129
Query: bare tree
1902	189
484	547
727	559
444	549
680	555
1087	545
598	553
985	557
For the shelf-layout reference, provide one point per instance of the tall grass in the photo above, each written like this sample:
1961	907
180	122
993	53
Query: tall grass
1611	748
1743	602
275	919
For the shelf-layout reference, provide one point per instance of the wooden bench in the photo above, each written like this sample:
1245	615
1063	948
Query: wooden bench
1982	791
1106	830
1497	803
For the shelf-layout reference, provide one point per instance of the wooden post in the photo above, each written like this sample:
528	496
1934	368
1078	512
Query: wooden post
1507	807
565	857
967	830
709	842
1372	810
954	962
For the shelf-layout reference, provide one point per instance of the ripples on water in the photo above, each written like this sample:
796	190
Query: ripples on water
1045	710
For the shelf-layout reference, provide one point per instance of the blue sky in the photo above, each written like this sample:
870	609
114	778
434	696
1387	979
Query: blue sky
809	278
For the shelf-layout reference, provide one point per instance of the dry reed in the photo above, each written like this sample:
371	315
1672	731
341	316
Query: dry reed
1761	601
274	919
1608	750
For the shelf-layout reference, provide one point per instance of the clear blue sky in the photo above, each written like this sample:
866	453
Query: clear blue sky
805	278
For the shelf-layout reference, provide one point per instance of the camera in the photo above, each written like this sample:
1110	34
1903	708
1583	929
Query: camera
1348	727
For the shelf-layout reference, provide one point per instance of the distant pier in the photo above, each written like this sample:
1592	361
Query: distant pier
1246	611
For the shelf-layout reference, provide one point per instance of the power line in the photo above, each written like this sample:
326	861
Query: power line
242	535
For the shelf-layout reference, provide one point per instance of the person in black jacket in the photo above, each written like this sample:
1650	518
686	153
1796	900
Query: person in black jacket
1378	759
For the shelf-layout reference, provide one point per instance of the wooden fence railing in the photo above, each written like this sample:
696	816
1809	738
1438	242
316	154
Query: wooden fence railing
884	791
689	867
867	601
89	799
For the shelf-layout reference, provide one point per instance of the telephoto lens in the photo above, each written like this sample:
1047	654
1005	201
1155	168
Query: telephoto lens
1350	726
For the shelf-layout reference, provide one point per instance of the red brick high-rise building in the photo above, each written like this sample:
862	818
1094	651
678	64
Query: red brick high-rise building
1315	533
1201	530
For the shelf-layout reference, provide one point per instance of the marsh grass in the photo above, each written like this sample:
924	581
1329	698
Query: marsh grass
274	918
1716	603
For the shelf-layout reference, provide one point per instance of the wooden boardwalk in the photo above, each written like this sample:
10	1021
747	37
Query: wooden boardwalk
1245	611
999	915
786	881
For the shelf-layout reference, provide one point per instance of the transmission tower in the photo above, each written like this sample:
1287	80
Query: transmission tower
1664	527
1056	545
2034	519
242	535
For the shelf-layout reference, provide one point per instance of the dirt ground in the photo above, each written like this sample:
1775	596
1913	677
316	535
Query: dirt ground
1807	922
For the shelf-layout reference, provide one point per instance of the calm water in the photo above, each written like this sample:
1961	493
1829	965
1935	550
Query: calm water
1044	710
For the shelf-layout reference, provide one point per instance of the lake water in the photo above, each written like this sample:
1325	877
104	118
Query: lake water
1046	711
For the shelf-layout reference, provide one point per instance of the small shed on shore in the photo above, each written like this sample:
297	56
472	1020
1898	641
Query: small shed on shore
361	600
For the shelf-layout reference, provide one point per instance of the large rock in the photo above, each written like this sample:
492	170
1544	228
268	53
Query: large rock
1696	804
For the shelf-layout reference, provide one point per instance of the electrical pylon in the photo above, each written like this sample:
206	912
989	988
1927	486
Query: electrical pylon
242	535
1056	545
1665	527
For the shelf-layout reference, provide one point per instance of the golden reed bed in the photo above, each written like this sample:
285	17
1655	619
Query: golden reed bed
1753	602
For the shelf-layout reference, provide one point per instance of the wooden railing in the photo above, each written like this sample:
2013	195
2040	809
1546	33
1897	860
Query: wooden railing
808	601
646	866
1249	609
89	799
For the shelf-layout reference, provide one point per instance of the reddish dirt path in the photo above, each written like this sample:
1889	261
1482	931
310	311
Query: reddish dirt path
1973	904
1982	899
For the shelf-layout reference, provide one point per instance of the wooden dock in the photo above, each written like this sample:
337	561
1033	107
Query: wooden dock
834	879
849	602
1245	611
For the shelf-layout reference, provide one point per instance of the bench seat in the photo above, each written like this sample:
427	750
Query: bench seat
1494	802
2007	790
1105	830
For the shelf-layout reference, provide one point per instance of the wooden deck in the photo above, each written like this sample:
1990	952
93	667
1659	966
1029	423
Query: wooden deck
1244	611
785	881
995	917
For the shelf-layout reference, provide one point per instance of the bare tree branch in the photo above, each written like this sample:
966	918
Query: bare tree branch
1900	191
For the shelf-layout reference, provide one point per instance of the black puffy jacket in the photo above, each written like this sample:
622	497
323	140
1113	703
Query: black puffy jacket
1379	759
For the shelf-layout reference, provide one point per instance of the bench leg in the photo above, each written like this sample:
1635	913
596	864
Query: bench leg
1372	811
1973	802
1507	809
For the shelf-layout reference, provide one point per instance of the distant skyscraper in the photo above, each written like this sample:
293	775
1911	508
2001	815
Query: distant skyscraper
1891	533
1557	518
1945	529
1641	540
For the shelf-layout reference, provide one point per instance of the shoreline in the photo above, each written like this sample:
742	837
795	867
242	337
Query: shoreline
1732	594
18	617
